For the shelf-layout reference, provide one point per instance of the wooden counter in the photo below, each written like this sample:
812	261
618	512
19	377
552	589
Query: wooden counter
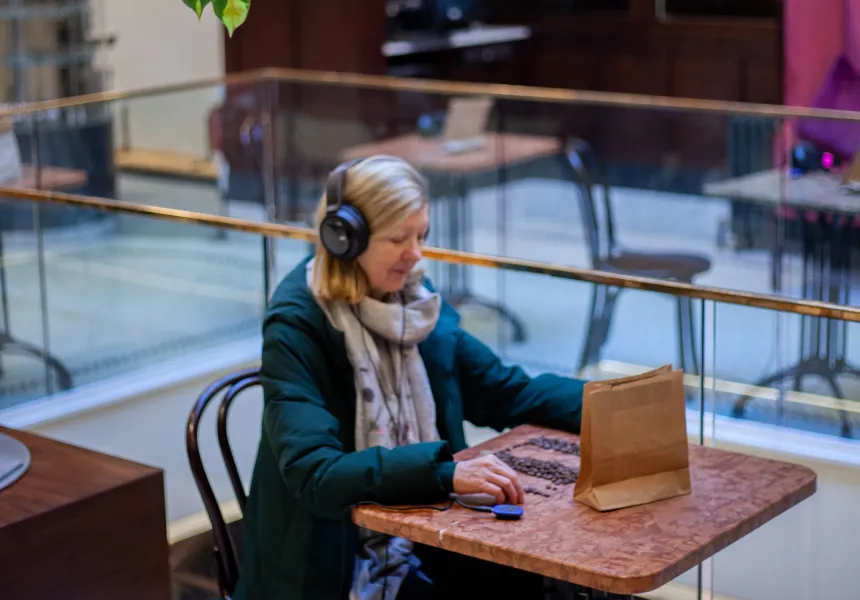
165	163
82	525
627	551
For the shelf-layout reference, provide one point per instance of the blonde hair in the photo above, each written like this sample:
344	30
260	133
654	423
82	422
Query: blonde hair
387	190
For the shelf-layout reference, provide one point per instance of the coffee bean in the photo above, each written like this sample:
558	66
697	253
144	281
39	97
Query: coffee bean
552	471
531	490
555	445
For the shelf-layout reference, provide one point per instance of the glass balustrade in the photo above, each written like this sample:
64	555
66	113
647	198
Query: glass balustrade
577	233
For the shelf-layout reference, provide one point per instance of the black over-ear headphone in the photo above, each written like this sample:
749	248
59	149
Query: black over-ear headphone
343	231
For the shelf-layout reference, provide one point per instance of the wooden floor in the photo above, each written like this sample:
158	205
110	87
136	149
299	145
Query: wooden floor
192	566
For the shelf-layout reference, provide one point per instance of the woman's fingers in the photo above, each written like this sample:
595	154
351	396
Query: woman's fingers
502	469
489	475
507	486
487	487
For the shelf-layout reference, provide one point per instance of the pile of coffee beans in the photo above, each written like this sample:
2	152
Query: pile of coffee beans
555	445
552	471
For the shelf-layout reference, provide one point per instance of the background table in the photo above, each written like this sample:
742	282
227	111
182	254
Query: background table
500	152
627	551
828	220
82	525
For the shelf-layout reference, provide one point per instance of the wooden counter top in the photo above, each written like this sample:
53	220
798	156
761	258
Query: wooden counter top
627	551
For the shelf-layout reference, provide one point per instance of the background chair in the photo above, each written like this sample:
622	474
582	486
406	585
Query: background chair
225	551
607	255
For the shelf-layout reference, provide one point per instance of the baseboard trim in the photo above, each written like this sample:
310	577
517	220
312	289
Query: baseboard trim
203	366
197	523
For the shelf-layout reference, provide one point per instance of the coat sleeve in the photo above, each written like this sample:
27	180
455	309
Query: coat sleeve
500	396
302	433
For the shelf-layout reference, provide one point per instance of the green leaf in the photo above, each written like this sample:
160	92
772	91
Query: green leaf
231	12
197	6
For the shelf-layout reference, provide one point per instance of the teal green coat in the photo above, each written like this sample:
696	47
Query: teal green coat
298	541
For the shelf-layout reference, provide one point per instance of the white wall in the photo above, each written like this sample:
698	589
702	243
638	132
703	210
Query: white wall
163	43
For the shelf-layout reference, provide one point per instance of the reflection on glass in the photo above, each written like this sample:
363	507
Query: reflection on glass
124	293
788	370
48	50
28	370
764	406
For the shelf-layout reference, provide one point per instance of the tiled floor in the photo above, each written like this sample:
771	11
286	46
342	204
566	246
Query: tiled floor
141	291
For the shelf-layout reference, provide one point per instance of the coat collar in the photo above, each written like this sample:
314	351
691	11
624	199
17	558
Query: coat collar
437	351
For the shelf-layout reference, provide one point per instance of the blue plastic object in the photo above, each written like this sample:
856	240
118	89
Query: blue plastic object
507	512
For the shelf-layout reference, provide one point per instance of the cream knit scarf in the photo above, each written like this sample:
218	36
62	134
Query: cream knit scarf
393	406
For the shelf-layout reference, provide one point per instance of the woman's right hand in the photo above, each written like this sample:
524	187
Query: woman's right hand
488	475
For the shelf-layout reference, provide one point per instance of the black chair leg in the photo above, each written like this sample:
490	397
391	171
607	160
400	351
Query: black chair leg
64	377
837	392
599	322
585	357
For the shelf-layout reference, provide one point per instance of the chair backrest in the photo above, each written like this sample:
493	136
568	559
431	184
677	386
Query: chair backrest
225	552
599	229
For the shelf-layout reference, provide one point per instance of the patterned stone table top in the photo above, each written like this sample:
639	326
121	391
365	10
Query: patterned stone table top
627	551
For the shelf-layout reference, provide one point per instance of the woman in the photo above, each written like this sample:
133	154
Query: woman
367	380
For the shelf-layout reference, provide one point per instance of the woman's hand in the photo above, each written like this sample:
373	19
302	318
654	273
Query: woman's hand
488	475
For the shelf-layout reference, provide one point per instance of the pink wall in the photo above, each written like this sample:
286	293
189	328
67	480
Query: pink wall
814	35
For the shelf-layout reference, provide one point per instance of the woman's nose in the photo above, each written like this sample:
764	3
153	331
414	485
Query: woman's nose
414	250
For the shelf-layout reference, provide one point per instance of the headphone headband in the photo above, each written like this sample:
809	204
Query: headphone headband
336	184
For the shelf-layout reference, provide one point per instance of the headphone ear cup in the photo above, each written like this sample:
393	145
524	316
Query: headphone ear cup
344	233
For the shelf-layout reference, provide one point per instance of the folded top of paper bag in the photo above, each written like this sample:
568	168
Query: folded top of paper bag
614	383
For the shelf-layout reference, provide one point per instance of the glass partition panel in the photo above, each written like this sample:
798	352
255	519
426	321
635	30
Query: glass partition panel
162	149
725	197
106	293
781	390
27	368
167	149
640	191
719	199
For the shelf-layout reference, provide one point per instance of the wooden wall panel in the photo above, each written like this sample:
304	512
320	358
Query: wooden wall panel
632	52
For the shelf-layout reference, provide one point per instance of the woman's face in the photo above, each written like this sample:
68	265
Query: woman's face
391	255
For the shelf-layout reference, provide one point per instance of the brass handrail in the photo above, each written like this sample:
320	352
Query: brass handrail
674	288
431	86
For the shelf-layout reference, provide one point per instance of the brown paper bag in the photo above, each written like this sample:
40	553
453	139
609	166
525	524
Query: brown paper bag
633	441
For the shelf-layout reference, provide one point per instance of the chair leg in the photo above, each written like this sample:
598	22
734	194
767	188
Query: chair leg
687	336
585	357
599	322
837	392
